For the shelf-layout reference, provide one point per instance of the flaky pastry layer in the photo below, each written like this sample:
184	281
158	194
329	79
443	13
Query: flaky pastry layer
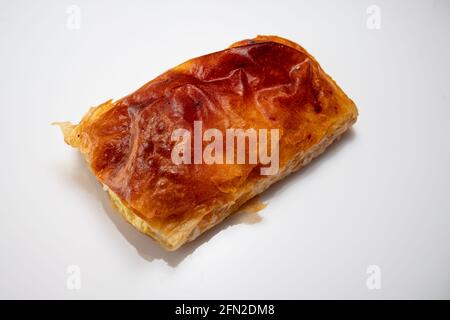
267	82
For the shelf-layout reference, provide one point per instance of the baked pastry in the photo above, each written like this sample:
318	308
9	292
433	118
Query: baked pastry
263	83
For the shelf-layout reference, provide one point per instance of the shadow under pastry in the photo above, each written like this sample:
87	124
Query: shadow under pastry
150	249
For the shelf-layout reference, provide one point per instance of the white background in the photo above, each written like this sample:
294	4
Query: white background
378	197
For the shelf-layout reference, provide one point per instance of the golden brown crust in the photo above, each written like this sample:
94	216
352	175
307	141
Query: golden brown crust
267	82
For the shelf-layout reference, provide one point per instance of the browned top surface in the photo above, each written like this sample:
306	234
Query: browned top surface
266	82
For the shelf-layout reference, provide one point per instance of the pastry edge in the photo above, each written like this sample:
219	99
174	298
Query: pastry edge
192	228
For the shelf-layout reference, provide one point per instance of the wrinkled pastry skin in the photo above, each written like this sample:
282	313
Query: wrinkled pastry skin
267	82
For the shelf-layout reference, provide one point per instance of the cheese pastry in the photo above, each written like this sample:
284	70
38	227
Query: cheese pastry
263	84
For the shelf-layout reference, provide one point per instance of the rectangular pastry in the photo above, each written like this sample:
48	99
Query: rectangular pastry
267	84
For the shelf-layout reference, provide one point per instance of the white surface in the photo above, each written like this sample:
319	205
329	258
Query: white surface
379	197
